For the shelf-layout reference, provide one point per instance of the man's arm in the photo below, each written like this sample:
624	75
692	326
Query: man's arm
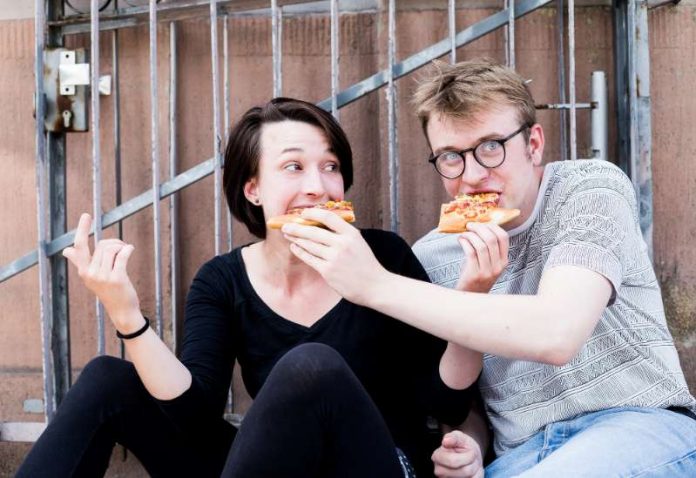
548	327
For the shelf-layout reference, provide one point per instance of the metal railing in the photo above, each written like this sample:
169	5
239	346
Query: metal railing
52	234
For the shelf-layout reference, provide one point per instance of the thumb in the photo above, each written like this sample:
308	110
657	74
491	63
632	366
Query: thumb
69	254
454	439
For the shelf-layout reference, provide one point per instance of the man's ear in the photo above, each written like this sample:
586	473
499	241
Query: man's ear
536	144
251	191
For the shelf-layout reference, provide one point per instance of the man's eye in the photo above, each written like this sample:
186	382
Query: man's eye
450	157
490	147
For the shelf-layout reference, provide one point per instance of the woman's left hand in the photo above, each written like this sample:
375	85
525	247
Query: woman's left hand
339	254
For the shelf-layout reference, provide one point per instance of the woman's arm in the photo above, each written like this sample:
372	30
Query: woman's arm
104	273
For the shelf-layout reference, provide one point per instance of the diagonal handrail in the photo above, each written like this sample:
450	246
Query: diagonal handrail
345	97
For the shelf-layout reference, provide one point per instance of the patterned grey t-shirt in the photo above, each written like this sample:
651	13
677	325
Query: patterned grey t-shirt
585	215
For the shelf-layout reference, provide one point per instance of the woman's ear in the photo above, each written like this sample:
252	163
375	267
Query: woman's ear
536	144
251	191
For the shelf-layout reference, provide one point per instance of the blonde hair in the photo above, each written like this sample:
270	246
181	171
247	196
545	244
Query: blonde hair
468	88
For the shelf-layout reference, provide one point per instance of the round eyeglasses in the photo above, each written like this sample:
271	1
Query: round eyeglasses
489	154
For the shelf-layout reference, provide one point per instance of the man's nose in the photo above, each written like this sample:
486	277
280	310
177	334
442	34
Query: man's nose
473	171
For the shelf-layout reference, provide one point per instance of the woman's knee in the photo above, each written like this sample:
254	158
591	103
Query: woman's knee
312	364
106	376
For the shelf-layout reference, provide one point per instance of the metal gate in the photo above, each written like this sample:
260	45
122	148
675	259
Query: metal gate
64	81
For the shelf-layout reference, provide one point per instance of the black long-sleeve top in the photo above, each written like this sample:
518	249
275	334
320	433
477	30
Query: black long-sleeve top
397	364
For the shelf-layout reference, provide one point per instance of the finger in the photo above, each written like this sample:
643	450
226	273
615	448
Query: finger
122	257
107	262
482	253
80	254
95	264
329	219
503	241
312	233
455	439
312	261
469	253
486	233
316	249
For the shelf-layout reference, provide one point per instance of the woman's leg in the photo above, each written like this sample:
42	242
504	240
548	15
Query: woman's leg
109	404
313	418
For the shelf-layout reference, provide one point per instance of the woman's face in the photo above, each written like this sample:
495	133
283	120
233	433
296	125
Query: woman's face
296	169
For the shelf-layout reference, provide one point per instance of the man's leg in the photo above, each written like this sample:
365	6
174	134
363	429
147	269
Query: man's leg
621	442
313	418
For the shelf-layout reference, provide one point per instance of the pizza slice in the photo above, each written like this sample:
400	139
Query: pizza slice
483	207
344	209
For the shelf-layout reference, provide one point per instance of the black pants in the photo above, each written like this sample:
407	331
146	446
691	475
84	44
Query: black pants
312	418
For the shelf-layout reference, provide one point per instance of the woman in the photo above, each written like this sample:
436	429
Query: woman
339	390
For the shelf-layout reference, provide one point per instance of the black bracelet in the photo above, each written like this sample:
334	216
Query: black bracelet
135	334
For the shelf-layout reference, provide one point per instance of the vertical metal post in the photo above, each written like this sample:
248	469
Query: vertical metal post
277	46
560	22
41	197
510	33
217	173
599	115
571	74
174	199
96	157
335	25
452	17
117	138
391	115
632	78
60	326
226	79
154	111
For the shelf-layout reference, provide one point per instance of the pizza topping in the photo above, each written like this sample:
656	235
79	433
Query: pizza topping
328	205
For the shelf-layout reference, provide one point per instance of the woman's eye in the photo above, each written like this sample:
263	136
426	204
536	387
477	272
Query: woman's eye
292	167
332	167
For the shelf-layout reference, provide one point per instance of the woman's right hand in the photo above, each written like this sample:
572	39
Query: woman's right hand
104	273
486	256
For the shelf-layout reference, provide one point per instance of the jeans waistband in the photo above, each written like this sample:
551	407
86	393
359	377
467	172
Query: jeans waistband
683	411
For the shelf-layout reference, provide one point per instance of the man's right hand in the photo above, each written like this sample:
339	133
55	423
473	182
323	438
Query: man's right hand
486	256
459	456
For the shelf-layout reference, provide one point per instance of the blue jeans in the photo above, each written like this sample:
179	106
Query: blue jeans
619	442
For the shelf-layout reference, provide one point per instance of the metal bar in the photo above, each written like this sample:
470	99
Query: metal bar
391	115
60	329
110	218
619	11
571	74
117	142
334	56
41	197
452	16
227	100
96	158
166	12
276	47
511	33
425	56
154	110
560	22
565	106
640	104
216	123
174	200
599	116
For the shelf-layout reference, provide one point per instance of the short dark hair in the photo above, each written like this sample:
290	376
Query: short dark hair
244	150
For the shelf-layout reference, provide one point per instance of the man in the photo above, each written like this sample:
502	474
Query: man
580	375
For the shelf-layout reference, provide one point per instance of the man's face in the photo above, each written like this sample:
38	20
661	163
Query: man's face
517	179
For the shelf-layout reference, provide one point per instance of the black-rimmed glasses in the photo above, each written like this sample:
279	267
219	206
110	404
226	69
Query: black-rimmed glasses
489	154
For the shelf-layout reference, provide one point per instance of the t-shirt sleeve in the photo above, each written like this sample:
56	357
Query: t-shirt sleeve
421	352
207	350
596	225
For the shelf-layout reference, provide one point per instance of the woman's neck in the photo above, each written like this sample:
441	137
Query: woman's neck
281	268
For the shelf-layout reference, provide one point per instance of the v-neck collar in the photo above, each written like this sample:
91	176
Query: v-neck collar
268	310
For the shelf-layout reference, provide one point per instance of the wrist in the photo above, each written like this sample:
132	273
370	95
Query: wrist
127	322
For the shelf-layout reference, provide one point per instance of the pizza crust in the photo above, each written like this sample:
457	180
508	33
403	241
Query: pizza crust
278	221
455	222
